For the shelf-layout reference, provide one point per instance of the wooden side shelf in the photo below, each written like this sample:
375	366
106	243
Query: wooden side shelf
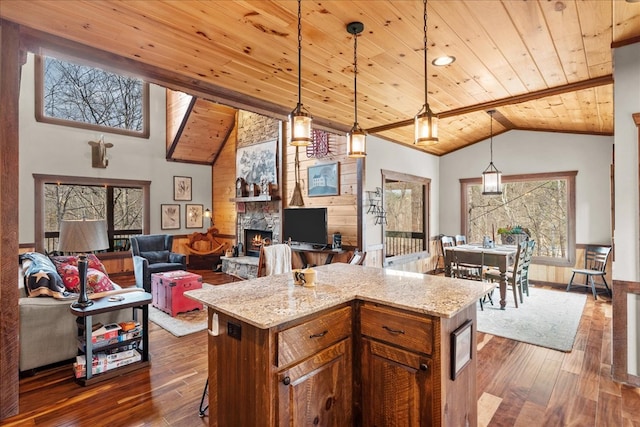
260	198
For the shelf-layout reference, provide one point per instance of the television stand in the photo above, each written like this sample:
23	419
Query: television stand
302	251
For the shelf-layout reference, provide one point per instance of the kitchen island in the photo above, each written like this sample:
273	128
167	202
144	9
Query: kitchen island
365	346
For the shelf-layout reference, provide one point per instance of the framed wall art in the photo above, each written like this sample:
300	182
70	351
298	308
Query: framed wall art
170	217
193	216
461	350
182	188
323	180
257	162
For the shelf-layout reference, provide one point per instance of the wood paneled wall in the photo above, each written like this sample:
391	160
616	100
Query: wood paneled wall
223	185
342	209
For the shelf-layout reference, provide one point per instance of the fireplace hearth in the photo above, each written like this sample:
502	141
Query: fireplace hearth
254	239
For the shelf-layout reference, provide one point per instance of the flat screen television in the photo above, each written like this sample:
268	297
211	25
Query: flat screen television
305	226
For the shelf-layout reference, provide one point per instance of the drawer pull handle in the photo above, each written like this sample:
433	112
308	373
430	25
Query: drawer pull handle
424	367
286	381
393	331
321	334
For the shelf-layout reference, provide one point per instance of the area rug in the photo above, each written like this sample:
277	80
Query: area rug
183	323
547	318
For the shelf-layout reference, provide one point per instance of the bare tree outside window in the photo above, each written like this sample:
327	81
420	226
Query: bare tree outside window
91	97
543	205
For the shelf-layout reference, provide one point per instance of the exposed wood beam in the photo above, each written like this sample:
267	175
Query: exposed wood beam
226	138
183	124
571	87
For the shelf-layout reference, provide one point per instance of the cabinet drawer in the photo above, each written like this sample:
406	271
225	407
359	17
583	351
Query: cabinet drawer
309	337
405	330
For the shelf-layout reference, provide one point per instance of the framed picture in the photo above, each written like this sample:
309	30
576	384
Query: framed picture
193	215
170	217
256	163
182	188
323	180
461	342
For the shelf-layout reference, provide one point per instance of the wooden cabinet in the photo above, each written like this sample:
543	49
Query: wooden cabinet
317	391
397	368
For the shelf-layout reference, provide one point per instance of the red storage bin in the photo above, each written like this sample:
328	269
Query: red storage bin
168	290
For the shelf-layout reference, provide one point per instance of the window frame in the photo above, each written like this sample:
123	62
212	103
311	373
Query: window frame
569	176
426	183
43	118
39	205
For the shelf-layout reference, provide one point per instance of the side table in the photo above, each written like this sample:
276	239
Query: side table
135	300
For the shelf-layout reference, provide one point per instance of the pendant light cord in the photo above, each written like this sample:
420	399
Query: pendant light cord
425	54
299	53
355	76
491	133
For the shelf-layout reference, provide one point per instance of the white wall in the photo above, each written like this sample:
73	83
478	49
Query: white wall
626	266
521	152
59	150
386	155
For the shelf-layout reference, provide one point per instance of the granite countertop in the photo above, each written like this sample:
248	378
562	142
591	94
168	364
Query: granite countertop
270	301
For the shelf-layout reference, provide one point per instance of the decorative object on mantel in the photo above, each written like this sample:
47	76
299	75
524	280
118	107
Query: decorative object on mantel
491	177
255	189
356	138
241	187
299	128
99	157
425	122
375	206
296	198
513	235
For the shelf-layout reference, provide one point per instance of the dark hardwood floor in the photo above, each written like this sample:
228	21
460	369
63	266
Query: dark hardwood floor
518	384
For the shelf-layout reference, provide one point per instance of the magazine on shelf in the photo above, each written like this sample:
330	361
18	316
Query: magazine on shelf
102	363
121	337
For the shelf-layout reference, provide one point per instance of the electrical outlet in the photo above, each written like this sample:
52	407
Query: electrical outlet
234	331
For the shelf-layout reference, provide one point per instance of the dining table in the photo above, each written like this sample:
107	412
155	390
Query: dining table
498	256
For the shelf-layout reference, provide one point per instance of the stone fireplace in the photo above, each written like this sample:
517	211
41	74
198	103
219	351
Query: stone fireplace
254	239
262	217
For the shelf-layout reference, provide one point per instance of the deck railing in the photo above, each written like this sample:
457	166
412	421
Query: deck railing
117	243
403	242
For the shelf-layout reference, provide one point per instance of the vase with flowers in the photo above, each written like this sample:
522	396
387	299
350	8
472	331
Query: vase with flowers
513	235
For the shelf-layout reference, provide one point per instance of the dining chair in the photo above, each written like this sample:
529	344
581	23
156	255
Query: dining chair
514	275
526	262
595	264
476	272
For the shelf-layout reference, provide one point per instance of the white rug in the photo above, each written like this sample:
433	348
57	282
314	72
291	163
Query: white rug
547	318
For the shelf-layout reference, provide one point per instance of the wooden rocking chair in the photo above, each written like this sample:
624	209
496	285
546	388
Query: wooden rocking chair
205	245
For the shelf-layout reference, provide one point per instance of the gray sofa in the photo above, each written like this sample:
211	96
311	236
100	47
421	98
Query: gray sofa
48	331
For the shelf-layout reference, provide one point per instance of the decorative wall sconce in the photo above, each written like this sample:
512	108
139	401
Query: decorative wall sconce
99	157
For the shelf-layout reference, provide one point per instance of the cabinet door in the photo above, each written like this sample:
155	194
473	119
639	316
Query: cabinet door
397	387
317	391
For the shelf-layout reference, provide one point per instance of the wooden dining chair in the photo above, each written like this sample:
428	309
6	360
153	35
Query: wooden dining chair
595	265
514	275
357	258
526	262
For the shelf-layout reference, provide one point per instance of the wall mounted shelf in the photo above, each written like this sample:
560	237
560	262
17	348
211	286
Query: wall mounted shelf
260	198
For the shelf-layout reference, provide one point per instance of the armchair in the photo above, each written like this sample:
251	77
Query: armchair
152	254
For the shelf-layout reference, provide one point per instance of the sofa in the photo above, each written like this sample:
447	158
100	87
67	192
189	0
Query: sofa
152	253
48	331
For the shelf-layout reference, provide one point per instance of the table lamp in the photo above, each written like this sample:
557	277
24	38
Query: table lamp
81	237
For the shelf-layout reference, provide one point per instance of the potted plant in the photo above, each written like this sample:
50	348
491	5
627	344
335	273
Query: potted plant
513	235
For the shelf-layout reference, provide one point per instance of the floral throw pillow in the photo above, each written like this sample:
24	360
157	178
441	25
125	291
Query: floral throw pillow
97	279
92	260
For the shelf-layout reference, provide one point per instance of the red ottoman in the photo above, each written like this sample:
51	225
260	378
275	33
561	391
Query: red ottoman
168	288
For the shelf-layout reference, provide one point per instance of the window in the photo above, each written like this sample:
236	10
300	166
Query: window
122	203
405	201
544	204
83	96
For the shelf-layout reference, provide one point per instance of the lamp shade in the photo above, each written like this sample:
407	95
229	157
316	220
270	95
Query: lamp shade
299	128
83	236
491	181
356	143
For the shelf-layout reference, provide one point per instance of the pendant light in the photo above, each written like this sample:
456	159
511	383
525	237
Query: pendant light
426	123
356	138
491	177
299	120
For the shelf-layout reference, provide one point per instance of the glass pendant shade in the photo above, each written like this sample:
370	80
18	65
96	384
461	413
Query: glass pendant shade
426	127
491	181
356	142
299	128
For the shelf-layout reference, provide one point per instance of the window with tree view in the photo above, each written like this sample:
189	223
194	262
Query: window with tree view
542	205
88	97
122	208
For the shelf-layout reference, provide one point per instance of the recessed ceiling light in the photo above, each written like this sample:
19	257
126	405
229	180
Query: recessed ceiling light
443	60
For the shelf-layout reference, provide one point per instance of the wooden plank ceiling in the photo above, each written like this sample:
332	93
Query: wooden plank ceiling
543	65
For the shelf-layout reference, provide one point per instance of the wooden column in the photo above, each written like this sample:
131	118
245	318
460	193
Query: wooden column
11	62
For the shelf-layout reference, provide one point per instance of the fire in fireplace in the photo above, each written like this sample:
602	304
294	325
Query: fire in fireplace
254	239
